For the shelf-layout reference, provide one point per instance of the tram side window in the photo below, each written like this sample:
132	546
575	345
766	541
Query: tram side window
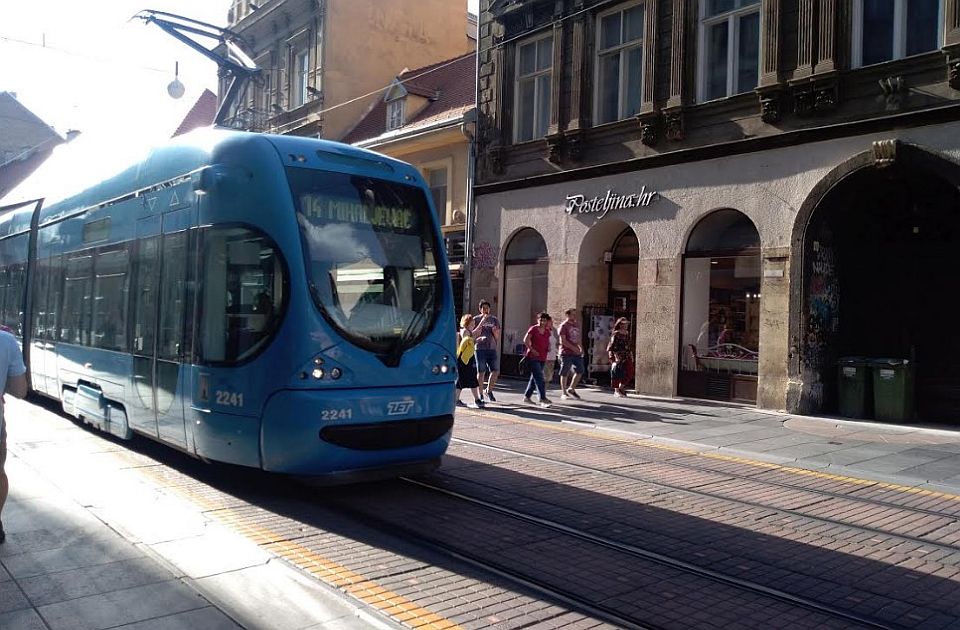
110	300
11	296
5	296
145	295
54	295
77	300
12	282
46	298
242	293
172	295
40	318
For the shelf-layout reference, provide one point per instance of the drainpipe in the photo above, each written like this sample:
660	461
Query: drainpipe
468	129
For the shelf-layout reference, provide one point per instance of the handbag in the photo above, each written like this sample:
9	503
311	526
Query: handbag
524	366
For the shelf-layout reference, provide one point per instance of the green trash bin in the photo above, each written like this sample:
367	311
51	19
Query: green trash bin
893	389
854	387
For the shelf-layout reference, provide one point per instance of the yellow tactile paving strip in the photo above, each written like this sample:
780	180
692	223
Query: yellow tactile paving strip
408	613
397	607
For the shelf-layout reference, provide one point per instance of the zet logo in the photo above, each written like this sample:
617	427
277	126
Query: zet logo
399	407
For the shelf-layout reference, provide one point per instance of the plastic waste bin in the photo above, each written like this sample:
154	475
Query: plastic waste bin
855	387
893	389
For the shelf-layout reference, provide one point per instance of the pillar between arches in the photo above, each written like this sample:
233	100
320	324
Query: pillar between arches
658	316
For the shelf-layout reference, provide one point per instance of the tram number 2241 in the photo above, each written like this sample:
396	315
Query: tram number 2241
345	413
229	399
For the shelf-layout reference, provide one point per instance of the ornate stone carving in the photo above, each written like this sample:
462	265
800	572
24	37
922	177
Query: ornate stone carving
894	90
826	98
555	147
884	153
803	100
495	159
648	128
574	143
817	95
673	124
648	132
953	73
770	107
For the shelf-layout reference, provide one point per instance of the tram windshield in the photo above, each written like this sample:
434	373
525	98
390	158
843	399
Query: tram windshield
371	257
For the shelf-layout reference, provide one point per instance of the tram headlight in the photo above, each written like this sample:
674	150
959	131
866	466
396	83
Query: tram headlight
335	373
444	368
318	360
317	373
436	369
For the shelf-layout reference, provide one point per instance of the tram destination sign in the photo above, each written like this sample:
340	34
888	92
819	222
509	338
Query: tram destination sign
604	204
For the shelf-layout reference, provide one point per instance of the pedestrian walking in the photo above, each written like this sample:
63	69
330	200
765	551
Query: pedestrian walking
486	330
537	342
621	361
14	381
550	364
571	355
467	362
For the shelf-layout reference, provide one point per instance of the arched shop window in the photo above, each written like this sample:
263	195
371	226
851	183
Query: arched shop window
624	262
525	291
720	328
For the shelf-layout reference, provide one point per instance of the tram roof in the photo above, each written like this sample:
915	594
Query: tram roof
91	171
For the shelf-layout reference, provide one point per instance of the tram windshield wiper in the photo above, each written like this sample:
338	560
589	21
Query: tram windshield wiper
411	331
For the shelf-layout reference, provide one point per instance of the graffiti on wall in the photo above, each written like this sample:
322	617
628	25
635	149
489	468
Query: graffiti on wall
822	315
484	255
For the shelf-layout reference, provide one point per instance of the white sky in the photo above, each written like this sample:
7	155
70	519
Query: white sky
87	66
98	70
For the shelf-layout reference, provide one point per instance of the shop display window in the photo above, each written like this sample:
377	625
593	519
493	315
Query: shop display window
525	291
721	309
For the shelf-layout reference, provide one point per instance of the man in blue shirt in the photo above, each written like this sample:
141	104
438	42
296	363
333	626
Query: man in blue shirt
14	380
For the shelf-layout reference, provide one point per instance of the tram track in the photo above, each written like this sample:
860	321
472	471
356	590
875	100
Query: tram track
705	492
667	569
460	483
427	513
664	560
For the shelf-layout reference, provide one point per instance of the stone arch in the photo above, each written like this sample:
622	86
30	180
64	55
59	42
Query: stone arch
813	294
592	276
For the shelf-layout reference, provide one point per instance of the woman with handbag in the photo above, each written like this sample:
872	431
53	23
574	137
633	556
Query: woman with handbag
621	361
467	363
537	342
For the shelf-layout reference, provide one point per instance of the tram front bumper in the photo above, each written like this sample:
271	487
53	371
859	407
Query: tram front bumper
333	432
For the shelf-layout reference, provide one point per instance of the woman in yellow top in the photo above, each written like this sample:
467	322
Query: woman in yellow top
467	362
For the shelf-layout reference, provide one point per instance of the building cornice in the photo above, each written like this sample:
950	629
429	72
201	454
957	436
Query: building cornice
933	116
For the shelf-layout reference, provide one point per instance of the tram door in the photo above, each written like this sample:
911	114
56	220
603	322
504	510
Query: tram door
158	316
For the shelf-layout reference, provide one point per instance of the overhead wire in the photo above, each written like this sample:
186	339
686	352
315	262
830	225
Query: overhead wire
373	92
379	90
72	53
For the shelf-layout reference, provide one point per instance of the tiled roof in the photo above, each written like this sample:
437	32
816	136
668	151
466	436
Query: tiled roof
200	115
450	85
25	142
21	131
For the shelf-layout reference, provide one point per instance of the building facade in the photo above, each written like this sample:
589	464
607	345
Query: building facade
760	186
323	62
426	117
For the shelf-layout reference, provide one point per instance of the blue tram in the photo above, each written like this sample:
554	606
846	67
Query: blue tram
275	302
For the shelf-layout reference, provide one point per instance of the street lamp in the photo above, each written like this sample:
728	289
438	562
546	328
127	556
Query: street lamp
175	88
